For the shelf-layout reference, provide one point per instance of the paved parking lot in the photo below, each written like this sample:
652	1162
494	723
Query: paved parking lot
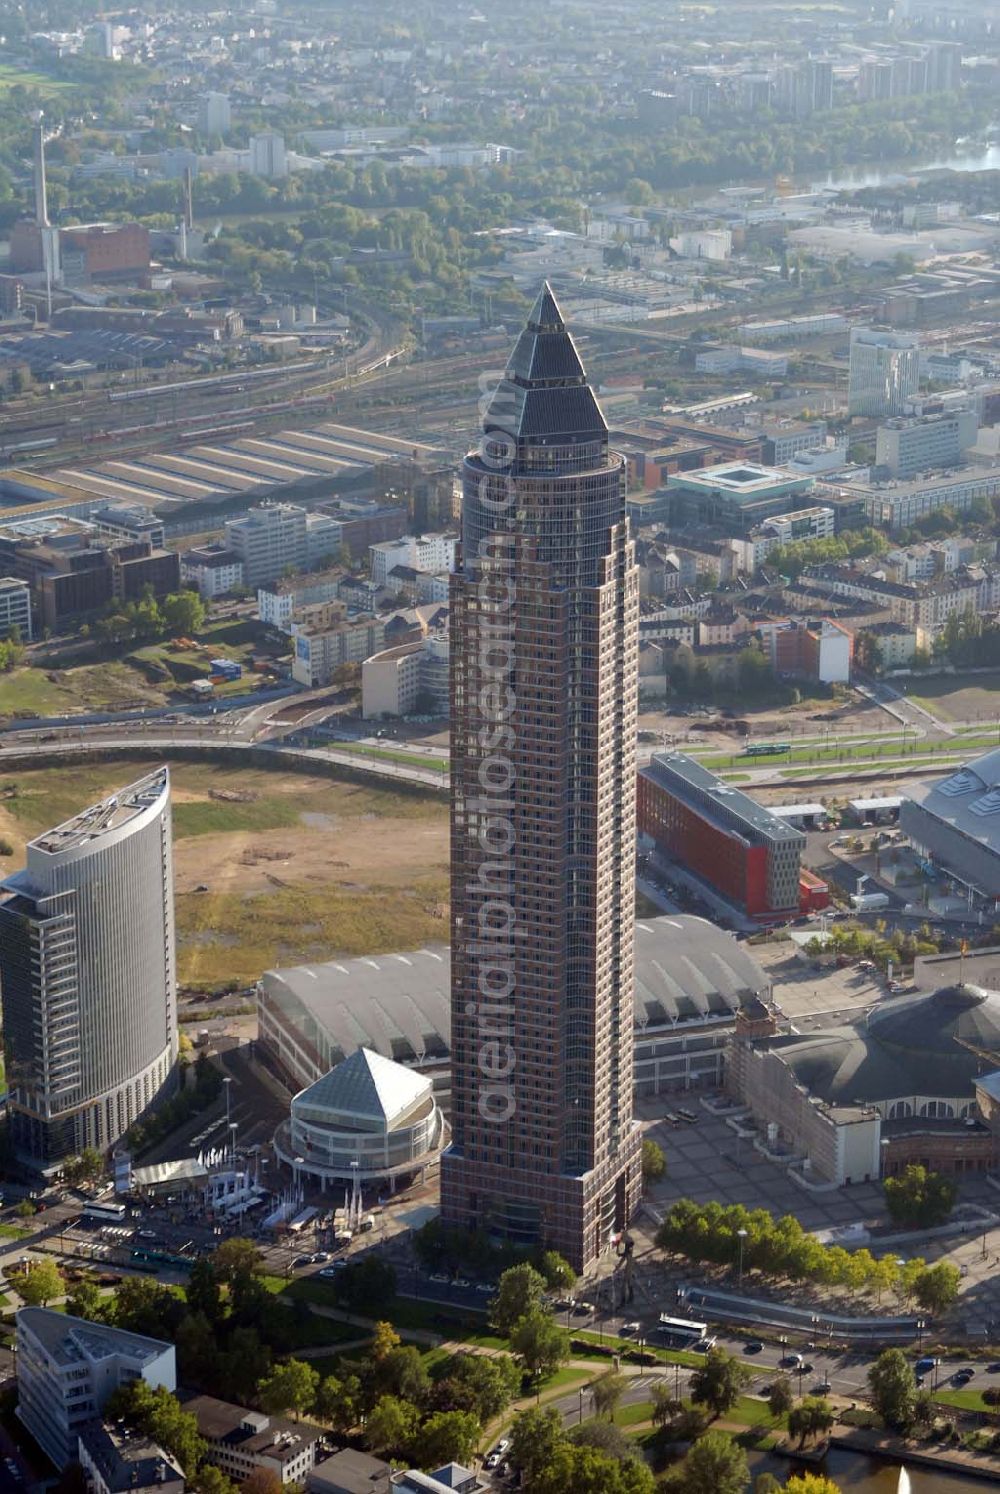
707	1161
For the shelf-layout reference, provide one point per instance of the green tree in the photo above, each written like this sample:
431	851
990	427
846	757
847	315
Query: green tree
654	1163
666	1406
936	1288
766	1483
484	1384
364	1282
289	1387
88	1167
243	1363
519	1293
714	1465
211	1480
401	1373
781	1397
893	1388
811	1483
84	1300
42	1281
719	1381
159	1415
338	1401
144	1305
534	1437
920	1198
607	1390
197	1349
183	613
235	1259
202	1290
558	1273
540	1344
446	1437
812	1417
391	1427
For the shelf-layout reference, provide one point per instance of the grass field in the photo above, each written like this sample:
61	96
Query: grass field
893	748
63	692
394	755
958	697
296	867
16	77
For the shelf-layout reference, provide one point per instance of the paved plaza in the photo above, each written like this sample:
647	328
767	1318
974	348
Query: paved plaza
707	1161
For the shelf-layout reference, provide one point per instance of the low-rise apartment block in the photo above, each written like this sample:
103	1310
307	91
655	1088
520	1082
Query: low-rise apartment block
919	604
116	1460
240	1441
325	638
279	601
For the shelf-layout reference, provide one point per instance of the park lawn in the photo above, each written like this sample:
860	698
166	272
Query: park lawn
563	1378
14	1232
965	1400
313	1332
633	1414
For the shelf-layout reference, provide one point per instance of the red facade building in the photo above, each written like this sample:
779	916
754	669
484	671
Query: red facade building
746	854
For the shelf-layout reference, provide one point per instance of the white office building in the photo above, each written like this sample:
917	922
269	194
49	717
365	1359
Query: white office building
906	446
425	552
87	968
68	1368
884	371
15	607
213	570
269	540
399	681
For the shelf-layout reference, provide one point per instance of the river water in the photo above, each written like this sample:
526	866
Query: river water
861	1475
979	158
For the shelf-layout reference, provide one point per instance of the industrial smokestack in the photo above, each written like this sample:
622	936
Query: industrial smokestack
41	198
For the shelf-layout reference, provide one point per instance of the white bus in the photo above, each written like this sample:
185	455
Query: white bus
105	1213
680	1333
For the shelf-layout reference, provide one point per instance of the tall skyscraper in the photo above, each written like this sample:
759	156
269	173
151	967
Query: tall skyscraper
544	640
884	371
87	975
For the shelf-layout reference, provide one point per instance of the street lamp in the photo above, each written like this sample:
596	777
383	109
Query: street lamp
741	1235
921	1325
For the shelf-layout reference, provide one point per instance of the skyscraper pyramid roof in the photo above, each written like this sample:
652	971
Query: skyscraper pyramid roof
544	390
